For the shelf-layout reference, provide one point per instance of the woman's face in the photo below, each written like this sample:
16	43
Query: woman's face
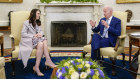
37	15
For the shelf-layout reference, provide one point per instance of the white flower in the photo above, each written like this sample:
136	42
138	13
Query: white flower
75	75
58	70
79	60
88	71
66	64
70	61
66	77
83	75
86	62
87	65
83	62
97	73
60	73
71	70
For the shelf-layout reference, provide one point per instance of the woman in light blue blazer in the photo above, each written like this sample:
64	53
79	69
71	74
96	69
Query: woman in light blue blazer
32	37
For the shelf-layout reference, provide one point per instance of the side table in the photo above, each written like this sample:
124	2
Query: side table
133	40
54	72
1	43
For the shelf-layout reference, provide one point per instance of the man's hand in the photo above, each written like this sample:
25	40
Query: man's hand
104	23
92	23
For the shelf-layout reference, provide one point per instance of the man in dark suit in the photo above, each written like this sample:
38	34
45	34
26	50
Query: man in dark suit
109	29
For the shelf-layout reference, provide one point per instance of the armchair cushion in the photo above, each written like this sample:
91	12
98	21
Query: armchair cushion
16	51
2	62
87	48
2	69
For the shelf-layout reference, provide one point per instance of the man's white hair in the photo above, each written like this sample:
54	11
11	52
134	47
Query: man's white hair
109	8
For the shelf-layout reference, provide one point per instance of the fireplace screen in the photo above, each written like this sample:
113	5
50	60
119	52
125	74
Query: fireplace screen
68	33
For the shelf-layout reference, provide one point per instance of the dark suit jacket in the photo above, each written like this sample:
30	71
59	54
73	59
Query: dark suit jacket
114	30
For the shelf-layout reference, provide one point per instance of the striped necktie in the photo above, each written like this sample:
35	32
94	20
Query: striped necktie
105	30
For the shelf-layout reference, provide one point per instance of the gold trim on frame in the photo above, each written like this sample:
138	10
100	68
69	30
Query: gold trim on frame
11	1
127	1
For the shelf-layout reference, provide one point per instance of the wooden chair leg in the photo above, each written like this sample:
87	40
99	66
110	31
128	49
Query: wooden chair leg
84	53
102	58
123	56
13	66
113	67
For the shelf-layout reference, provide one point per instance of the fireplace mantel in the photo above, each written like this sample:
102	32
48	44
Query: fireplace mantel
42	6
66	8
68	4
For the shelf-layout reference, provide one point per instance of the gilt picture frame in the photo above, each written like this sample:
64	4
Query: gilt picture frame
127	1
11	1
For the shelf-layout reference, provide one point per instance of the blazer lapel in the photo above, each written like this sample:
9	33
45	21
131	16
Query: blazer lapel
32	28
112	20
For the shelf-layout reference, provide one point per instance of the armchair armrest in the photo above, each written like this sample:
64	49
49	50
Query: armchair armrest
118	41
90	39
122	36
12	41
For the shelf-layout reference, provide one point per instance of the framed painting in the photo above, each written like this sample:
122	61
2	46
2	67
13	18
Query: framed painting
127	1
11	1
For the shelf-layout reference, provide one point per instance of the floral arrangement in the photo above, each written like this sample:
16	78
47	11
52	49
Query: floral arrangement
79	69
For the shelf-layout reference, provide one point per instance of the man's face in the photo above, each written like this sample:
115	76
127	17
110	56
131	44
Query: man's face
107	13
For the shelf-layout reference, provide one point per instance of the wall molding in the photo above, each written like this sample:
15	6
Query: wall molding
134	23
131	23
4	23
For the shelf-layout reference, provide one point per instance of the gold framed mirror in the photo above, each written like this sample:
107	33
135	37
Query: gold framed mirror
127	1
11	1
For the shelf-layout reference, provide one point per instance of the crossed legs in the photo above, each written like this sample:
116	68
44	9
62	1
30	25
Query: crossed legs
97	43
46	53
42	48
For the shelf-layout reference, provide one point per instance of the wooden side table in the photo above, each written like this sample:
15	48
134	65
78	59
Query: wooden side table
1	43
133	40
54	72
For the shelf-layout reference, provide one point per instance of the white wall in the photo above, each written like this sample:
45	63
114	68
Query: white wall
30	4
6	7
123	7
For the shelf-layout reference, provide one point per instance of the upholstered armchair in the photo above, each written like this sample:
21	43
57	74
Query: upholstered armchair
112	52
2	69
17	20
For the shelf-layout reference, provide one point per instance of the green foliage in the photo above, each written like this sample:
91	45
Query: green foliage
85	65
48	1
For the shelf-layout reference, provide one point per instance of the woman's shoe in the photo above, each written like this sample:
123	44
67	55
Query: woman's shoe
49	65
38	74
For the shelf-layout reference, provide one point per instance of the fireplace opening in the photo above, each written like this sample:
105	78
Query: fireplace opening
68	33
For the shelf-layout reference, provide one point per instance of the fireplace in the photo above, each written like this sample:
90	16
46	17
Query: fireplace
68	33
69	18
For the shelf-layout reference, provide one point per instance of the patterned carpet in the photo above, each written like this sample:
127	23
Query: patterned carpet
7	53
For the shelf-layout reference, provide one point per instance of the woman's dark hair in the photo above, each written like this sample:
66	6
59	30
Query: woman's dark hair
32	17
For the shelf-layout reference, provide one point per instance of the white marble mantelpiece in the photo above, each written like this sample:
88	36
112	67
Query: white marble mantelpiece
68	12
68	4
